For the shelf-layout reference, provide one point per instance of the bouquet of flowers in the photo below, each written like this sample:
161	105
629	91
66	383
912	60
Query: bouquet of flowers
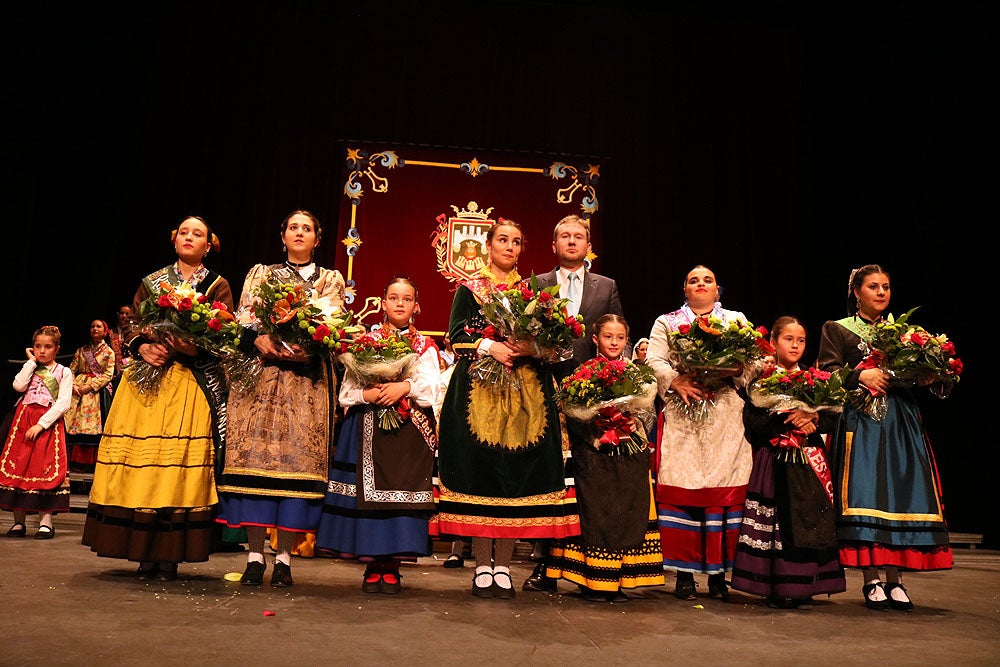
910	355
713	350
291	314
809	389
183	312
608	393
527	314
374	358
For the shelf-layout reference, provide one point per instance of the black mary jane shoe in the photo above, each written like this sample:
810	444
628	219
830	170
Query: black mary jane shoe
898	605
501	592
17	530
281	575
254	574
538	581
878	605
482	591
717	587
45	533
146	572
166	572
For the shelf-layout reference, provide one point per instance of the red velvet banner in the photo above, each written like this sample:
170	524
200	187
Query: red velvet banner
424	212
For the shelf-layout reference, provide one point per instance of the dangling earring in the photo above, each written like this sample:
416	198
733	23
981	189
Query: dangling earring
283	248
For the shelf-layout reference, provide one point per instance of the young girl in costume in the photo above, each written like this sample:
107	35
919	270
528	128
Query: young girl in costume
620	542
33	460
788	545
380	496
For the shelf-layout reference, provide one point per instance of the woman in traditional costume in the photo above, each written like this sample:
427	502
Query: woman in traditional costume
33	455
887	490
787	549
93	369
154	491
701	465
280	431
502	472
381	494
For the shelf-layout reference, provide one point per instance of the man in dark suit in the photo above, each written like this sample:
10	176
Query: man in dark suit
595	295
591	295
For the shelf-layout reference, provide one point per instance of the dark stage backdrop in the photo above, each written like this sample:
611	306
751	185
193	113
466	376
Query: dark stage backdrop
782	144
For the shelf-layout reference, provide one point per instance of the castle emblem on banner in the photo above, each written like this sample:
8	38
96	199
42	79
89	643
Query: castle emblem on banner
460	242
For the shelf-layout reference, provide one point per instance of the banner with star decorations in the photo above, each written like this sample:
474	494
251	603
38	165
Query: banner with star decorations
424	213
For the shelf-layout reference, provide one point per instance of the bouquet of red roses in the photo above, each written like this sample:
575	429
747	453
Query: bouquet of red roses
609	393
183	312
812	390
378	357
911	356
529	314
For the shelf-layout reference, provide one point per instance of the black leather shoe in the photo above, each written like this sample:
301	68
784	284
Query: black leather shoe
538	581
898	605
146	572
483	591
685	589
394	586
166	573
281	575
254	574
454	561
616	596
717	587
17	530
503	592
868	590
590	595
45	533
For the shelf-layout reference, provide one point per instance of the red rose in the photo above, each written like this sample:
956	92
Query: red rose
955	366
215	325
545	297
948	347
490	332
185	304
527	294
919	337
218	305
322	331
202	298
684	329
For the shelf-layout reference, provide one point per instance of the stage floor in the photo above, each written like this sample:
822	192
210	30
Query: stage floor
62	605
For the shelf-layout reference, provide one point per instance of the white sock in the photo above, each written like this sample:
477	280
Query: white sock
284	557
898	594
484	576
255	557
877	594
503	582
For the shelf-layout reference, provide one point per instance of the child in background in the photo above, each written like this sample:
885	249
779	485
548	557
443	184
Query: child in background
620	542
33	459
93	368
380	497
